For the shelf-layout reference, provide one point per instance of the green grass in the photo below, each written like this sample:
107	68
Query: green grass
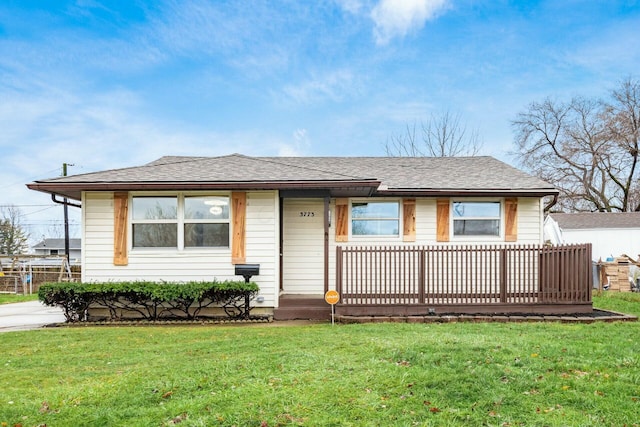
11	298
452	374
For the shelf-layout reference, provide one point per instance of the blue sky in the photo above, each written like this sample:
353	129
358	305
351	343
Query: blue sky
107	84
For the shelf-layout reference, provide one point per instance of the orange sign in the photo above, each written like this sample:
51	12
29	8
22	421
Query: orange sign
332	297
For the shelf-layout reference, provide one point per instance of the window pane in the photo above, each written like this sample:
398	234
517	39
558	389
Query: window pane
155	208
201	235
374	210
476	209
476	227
380	227
210	207
155	235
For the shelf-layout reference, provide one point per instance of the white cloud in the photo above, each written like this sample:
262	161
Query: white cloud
334	86
298	147
396	18
351	6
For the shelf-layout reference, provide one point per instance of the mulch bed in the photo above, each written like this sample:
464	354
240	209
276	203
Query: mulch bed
595	316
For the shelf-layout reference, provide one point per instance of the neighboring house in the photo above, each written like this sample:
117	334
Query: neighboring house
48	247
196	218
611	234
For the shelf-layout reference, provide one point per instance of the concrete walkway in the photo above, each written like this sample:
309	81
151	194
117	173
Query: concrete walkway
23	316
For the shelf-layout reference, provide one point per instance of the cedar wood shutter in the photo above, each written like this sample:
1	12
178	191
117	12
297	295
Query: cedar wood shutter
511	220
409	220
120	216
342	220
238	242
442	220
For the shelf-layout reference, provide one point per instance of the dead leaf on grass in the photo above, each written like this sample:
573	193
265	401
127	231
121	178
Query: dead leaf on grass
180	418
167	394
44	408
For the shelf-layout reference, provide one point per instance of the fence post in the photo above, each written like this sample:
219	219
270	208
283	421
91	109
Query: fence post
422	262
503	275
339	269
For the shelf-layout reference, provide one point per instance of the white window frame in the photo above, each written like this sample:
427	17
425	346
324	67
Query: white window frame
180	222
477	238
380	237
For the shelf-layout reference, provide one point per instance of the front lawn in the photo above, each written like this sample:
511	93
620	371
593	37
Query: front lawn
11	298
494	374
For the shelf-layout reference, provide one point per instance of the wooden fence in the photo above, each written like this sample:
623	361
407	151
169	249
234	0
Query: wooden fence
497	278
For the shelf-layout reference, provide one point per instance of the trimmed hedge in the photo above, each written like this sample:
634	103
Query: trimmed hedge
149	300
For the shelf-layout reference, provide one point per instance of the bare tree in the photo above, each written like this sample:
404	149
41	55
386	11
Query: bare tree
13	238
588	148
440	136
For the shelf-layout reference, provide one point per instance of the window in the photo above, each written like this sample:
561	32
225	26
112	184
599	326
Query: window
206	221
375	218
180	221
476	218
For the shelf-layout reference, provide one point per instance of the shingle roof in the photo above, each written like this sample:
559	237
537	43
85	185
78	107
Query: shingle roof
591	220
382	173
58	244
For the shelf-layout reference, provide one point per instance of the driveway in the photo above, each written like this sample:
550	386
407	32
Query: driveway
23	316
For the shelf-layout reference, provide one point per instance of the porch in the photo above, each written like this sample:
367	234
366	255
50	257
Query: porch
472	279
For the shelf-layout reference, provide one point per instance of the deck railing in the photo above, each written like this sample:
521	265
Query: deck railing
464	275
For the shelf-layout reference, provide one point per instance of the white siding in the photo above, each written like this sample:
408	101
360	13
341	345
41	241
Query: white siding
606	242
262	242
303	251
530	221
184	265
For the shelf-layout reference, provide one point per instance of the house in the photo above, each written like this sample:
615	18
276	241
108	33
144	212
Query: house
611	233
304	219
55	247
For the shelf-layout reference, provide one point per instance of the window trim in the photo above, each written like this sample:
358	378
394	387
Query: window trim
180	222
385	237
475	238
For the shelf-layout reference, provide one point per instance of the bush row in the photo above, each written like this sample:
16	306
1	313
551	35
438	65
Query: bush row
149	300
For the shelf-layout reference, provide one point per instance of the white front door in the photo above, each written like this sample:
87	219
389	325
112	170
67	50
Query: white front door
303	246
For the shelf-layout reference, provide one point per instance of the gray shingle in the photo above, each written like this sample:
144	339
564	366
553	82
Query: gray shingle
399	173
591	220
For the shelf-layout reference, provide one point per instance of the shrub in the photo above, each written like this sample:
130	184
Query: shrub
150	300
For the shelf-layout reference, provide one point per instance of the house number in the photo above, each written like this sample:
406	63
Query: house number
310	214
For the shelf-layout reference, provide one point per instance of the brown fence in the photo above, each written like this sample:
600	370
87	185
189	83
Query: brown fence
503	278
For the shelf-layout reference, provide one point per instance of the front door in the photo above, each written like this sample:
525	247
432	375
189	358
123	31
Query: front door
303	246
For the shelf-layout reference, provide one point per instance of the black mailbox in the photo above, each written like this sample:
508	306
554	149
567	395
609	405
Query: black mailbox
247	270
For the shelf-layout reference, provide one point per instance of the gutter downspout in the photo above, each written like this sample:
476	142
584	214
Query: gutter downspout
551	204
61	202
66	204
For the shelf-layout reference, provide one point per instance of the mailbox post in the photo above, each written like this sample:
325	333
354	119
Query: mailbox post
247	271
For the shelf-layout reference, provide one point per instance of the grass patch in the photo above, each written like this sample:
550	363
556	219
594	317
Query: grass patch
622	302
11	298
459	374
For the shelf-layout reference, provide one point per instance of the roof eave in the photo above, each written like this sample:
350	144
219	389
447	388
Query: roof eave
74	190
449	192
